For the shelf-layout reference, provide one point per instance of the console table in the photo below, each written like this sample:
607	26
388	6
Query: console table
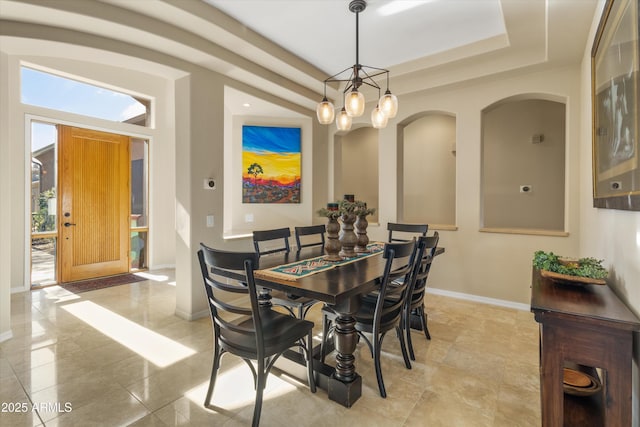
587	325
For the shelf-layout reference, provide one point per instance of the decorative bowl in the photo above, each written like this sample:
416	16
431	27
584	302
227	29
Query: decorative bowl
579	383
571	280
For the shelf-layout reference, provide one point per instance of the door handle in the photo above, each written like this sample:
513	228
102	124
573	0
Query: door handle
68	224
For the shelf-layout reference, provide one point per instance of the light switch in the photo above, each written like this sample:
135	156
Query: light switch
248	217
209	220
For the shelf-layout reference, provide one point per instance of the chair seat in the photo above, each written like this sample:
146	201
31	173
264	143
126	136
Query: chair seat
279	331
364	316
301	304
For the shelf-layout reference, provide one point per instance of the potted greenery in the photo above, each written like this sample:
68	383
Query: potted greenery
567	270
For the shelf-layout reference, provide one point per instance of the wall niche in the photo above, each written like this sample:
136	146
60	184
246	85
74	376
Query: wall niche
427	170
523	166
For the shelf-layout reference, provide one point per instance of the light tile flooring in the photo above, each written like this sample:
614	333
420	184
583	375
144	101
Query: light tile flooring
120	356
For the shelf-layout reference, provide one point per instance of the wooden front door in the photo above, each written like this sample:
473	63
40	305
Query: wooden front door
93	204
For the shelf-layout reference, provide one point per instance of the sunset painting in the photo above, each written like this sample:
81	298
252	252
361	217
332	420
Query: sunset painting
270	164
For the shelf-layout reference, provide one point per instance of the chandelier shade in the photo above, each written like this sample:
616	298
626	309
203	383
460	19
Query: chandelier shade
378	118
354	100
354	103
325	111
343	121
389	104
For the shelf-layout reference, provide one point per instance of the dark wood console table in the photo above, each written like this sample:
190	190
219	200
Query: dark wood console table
587	325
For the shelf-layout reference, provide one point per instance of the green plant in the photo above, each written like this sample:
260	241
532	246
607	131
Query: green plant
42	220
331	214
345	207
583	267
362	210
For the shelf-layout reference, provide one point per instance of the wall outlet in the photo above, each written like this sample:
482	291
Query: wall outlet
209	184
526	188
248	217
209	221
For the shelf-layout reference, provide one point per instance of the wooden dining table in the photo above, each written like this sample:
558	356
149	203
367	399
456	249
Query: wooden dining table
340	288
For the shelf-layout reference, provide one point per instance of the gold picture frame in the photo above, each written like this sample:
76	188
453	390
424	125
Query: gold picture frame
615	84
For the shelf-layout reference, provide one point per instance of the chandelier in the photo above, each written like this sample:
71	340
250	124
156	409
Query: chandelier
353	99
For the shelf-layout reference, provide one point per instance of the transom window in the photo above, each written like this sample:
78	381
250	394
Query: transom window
47	90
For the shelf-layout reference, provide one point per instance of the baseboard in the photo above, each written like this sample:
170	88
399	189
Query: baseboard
6	336
162	267
192	316
483	300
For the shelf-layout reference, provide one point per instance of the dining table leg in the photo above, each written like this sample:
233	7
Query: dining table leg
345	385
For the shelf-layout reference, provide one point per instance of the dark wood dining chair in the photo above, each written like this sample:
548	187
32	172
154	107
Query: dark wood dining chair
244	328
414	305
381	313
272	241
405	232
309	236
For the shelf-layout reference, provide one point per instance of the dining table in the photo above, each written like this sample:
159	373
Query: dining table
338	285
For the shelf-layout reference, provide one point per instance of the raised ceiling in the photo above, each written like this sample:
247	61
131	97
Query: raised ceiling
392	32
288	47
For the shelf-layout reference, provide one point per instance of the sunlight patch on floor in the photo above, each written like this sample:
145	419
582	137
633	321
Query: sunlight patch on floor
234	389
156	348
155	277
59	294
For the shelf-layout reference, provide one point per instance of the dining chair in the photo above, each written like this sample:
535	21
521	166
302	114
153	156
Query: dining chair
403	230
244	328
272	241
309	236
382	313
263	244
414	305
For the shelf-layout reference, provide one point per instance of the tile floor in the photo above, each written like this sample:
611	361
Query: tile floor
120	356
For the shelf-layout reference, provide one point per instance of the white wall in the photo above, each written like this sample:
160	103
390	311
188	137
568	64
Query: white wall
5	208
607	234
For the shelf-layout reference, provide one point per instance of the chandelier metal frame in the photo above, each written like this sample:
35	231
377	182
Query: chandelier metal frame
359	75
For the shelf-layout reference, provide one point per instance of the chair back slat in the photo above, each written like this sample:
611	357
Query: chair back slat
231	301
271	241
404	232
309	236
427	247
391	299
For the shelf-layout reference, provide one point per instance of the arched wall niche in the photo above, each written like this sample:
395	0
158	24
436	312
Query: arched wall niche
427	169
523	164
356	166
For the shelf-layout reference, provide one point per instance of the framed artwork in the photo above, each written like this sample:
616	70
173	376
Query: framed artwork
271	164
615	99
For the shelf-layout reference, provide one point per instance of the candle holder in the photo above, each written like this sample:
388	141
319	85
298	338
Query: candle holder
361	211
332	246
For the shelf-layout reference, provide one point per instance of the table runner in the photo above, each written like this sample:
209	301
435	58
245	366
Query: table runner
296	270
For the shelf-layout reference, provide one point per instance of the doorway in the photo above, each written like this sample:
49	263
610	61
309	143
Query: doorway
94	203
89	203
